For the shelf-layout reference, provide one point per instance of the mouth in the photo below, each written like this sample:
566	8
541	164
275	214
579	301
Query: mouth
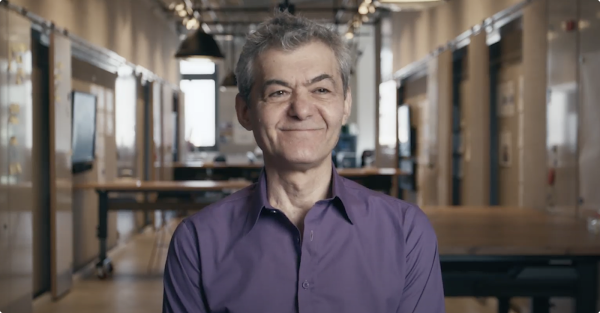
301	129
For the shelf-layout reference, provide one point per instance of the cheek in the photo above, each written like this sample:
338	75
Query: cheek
333	116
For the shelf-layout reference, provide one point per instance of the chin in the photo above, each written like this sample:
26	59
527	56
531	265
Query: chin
304	158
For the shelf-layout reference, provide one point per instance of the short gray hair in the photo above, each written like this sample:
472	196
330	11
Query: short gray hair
288	32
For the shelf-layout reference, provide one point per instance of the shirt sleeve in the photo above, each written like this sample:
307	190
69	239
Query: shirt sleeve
183	290
423	289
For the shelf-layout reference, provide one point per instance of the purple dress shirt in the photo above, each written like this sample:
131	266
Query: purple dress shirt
360	252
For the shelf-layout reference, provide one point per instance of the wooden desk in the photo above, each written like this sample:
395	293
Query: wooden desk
510	231
513	252
385	179
182	197
158	186
190	165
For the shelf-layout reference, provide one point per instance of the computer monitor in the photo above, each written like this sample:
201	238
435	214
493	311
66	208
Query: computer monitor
83	136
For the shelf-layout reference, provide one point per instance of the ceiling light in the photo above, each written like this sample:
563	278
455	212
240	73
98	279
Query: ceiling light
191	23
365	18
409	1
349	35
199	45
363	9
182	13
180	7
371	9
172	6
368	1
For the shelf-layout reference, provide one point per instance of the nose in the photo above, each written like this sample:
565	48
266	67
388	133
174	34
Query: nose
301	107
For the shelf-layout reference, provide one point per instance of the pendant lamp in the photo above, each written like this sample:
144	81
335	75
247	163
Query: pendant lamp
199	45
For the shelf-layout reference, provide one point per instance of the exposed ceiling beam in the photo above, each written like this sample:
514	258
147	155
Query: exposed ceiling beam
246	23
271	9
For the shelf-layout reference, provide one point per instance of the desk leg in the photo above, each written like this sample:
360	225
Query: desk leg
395	192
503	305
104	266
587	291
540	305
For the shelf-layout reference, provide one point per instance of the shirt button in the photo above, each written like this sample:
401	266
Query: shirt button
305	284
274	211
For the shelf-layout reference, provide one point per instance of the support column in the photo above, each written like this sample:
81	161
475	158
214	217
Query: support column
535	49
444	157
476	182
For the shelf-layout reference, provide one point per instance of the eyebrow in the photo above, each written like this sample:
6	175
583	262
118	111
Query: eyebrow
274	82
285	84
321	78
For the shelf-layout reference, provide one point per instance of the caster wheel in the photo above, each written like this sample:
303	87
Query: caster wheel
110	268
100	272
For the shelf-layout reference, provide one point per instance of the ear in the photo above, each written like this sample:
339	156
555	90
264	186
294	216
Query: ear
347	106
242	109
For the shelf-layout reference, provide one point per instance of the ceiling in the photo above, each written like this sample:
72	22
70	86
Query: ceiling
239	16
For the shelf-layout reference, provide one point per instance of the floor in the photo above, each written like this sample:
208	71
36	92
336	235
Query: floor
136	287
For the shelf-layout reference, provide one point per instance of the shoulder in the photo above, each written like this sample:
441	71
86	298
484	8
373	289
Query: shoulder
406	217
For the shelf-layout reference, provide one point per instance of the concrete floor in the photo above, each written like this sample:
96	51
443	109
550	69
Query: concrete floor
135	289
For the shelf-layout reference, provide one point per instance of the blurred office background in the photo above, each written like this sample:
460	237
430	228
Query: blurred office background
487	105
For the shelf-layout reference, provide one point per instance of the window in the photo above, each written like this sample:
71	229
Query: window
199	85
200	111
196	67
387	114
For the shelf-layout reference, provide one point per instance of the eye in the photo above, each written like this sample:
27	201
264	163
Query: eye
322	90
278	93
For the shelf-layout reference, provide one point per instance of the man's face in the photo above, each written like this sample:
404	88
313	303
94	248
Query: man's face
297	105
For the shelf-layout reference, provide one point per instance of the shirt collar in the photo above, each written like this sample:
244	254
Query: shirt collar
259	200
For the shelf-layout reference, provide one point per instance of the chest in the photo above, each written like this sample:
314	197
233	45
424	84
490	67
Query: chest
330	267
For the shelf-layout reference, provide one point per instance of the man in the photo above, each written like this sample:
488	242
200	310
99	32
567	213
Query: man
302	239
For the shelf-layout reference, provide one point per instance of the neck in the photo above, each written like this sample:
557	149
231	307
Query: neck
296	191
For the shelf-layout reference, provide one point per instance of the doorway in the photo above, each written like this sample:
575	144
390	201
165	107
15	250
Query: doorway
40	161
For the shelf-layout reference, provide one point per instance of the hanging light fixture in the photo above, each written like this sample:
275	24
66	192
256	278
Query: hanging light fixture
199	45
363	9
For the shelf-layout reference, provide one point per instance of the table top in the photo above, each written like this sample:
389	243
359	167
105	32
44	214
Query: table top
509	231
155	186
347	172
200	164
368	171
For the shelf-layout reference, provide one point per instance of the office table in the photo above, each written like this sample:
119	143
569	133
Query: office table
182	191
508	252
384	179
